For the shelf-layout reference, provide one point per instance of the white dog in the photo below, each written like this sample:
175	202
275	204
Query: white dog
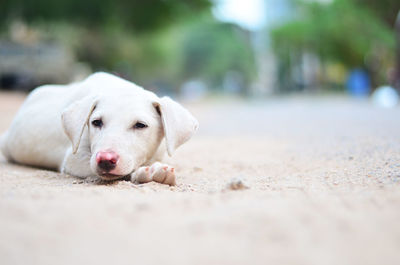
103	126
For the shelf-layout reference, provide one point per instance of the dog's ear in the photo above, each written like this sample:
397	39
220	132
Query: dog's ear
178	124
75	117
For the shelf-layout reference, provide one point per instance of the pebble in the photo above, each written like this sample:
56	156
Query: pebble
237	184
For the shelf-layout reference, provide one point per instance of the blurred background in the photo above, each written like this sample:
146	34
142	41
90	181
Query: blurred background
201	48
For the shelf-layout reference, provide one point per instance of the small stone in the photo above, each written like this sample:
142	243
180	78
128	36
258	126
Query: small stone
237	184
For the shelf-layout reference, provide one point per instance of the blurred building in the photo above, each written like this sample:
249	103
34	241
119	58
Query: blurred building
26	61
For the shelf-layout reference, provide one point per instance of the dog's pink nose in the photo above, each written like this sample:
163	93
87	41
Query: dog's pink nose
107	160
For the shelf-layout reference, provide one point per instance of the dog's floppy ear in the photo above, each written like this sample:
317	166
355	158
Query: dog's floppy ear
178	124
75	117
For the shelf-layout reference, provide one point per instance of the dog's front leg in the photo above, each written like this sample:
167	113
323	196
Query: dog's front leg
158	172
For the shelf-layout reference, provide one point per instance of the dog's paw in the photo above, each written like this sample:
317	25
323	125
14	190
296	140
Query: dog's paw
158	172
141	175
163	173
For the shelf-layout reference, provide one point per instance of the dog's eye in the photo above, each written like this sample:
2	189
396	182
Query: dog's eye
139	125
97	123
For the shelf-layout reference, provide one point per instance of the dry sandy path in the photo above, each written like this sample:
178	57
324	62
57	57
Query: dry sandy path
324	180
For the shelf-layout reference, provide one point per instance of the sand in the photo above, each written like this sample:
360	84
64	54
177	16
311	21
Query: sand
319	184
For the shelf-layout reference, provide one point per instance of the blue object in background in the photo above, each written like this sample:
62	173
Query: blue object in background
358	83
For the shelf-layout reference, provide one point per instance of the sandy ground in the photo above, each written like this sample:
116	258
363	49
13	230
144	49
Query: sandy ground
324	188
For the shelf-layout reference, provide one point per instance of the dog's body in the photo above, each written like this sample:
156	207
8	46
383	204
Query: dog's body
116	129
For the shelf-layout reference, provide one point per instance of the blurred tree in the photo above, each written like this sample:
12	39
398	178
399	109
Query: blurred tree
386	10
201	48
211	49
342	31
134	15
157	43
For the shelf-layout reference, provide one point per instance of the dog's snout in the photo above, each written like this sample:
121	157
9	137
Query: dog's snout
107	161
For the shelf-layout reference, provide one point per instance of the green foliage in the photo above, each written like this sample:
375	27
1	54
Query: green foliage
386	10
141	39
134	15
211	49
342	31
202	48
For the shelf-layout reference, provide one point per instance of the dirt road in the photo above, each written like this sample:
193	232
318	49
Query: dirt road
324	188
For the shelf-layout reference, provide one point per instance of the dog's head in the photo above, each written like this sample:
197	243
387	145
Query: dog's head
125	129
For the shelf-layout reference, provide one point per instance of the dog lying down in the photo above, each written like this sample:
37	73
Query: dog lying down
104	126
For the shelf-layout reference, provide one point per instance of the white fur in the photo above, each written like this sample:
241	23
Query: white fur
53	128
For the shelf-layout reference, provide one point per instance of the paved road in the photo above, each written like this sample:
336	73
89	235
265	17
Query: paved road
323	177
